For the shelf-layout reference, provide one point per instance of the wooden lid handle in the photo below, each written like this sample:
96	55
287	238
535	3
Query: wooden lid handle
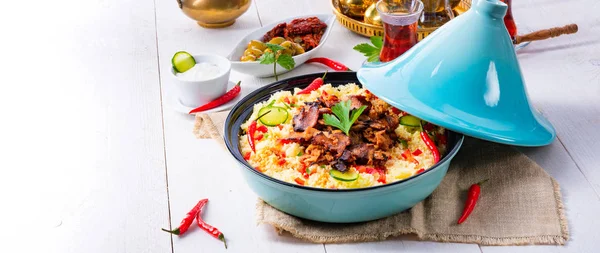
546	33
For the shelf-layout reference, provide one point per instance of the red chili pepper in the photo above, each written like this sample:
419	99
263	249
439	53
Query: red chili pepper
228	96
263	129
281	161
409	157
252	131
314	85
417	152
299	181
420	171
287	100
329	63
208	228
371	170
381	178
472	198
247	156
258	138
258	169
432	147
188	220
285	141
280	126
396	110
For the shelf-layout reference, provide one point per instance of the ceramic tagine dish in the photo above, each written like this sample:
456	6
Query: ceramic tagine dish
476	88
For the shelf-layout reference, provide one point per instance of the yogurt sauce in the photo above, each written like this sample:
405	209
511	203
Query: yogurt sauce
200	72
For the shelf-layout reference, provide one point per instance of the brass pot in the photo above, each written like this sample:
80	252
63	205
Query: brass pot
214	13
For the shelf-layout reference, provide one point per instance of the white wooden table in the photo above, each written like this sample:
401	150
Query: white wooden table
95	160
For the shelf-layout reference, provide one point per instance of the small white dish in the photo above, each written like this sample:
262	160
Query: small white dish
262	70
196	93
175	102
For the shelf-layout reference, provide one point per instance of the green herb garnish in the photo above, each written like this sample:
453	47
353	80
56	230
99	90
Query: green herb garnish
299	153
344	119
371	51
276	56
404	143
308	170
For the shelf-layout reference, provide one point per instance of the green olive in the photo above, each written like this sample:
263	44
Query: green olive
289	47
299	49
253	51
277	40
248	58
257	44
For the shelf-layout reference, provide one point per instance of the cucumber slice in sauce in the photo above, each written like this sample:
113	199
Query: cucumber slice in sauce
409	120
183	61
347	176
278	115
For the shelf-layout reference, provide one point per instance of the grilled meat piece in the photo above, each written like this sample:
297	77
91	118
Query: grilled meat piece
378	108
370	141
363	153
393	121
383	140
277	31
335	143
325	110
302	26
312	154
306	31
308	117
379	124
302	137
357	101
328	101
339	165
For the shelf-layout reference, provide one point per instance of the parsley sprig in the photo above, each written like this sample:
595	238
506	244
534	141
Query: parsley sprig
276	56
371	51
345	118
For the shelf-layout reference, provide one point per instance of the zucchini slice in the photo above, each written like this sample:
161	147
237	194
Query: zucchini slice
183	61
278	115
347	176
409	120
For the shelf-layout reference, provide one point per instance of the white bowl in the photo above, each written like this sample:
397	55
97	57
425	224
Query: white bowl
262	70
197	93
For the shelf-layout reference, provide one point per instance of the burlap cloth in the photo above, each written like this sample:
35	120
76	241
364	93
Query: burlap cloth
520	204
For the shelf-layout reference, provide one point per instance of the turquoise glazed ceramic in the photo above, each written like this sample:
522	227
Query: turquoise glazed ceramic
465	76
328	205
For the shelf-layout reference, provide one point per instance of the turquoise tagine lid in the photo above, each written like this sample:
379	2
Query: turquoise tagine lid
465	77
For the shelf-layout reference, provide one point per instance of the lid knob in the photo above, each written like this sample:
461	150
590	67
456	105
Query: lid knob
494	8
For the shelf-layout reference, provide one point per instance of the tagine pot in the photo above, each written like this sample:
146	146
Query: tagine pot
464	76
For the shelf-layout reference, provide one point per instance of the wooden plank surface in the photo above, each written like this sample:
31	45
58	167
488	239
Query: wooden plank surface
564	83
82	134
201	168
580	199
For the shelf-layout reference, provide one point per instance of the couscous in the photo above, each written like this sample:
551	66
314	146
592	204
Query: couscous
338	138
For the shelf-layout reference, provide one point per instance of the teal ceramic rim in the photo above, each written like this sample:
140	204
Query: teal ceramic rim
241	111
